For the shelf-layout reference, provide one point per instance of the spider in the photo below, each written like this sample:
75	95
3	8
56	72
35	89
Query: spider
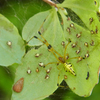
61	59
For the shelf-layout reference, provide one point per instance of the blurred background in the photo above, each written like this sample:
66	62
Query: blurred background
18	12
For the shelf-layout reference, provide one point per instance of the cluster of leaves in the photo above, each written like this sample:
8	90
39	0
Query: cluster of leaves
55	29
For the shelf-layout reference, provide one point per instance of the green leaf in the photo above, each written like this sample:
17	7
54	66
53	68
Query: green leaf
32	26
11	45
52	30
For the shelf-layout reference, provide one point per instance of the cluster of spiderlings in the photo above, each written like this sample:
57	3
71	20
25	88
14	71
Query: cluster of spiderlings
78	35
87	44
41	64
76	45
68	28
92	20
94	32
47	73
91	43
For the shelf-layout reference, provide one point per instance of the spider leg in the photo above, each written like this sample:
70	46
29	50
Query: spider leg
62	86
39	29
65	50
51	63
67	54
50	48
43	23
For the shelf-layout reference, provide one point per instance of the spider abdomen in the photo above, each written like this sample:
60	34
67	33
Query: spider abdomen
69	67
